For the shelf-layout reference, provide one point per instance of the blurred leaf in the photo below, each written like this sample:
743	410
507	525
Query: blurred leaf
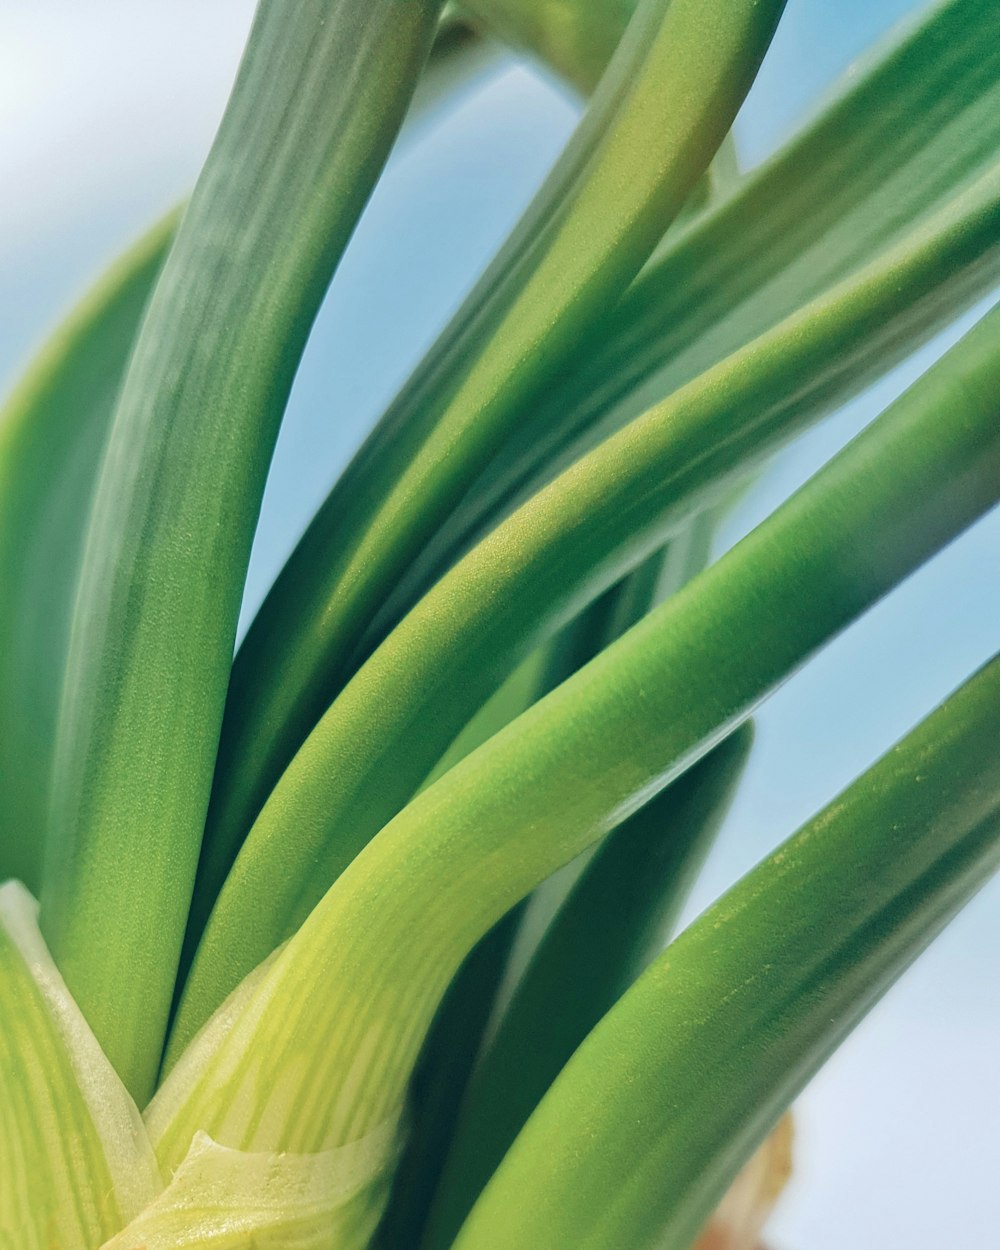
52	434
575	38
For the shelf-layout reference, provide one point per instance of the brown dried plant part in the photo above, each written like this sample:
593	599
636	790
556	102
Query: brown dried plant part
743	1212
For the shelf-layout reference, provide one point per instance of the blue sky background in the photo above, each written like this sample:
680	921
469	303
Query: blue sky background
106	110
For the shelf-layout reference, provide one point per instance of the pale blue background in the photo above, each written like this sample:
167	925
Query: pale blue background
107	108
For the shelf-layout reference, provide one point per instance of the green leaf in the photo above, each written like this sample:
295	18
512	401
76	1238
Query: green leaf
75	1163
617	918
656	1112
368	968
219	1199
454	1040
317	103
52	433
546	561
664	106
915	127
907	130
77	1169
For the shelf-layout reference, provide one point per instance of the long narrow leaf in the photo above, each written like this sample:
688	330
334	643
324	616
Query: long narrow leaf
559	550
386	940
616	919
455	1038
653	1116
52	434
661	112
904	134
316	105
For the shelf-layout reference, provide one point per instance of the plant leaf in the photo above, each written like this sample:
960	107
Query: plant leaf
52	433
617	918
906	132
455	1038
75	1162
651	1119
663	108
388	937
558	551
913	128
316	106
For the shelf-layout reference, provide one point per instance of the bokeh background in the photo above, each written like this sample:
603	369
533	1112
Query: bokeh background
106	111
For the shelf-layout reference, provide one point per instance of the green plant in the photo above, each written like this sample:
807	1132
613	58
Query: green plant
278	895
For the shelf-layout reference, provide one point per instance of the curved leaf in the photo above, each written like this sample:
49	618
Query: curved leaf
536	570
455	1037
317	102
617	918
387	938
905	133
662	110
910	129
649	1122
52	434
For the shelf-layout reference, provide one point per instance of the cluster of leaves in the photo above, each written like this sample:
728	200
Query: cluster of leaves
279	895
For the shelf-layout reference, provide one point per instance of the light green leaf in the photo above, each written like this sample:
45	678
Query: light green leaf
546	561
221	1199
454	1040
388	937
662	110
75	1162
914	127
317	103
616	919
668	1097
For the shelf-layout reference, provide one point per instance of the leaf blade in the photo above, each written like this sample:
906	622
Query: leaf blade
680	75
316	105
546	561
683	1079
578	763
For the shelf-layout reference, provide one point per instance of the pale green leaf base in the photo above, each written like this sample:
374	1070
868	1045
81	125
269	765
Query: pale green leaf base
77	1167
